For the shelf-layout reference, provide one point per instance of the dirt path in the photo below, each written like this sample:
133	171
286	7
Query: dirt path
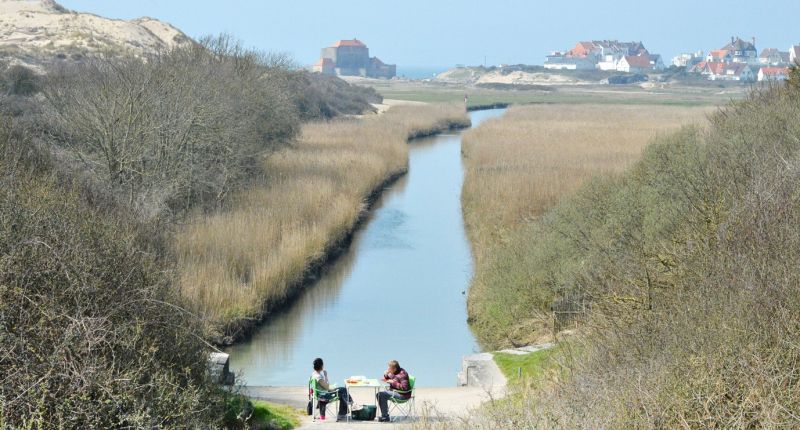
435	403
485	382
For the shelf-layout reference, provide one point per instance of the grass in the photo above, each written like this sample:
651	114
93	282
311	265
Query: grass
517	167
255	254
526	368
576	94
280	416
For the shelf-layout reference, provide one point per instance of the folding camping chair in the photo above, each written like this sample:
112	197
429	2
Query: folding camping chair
404	407
314	393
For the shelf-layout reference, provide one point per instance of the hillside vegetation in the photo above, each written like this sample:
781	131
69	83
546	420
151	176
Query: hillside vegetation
517	167
244	260
100	162
689	263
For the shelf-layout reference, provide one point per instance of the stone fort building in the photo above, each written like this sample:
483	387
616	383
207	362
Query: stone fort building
351	58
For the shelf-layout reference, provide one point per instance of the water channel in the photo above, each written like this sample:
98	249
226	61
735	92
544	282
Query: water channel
397	293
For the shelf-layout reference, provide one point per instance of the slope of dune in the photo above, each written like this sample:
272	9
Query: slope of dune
36	31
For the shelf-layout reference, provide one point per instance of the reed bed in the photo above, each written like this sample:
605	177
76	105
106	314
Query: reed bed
238	263
518	165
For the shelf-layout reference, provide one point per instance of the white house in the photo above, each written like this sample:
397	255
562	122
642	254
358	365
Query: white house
687	59
773	74
635	64
794	54
559	61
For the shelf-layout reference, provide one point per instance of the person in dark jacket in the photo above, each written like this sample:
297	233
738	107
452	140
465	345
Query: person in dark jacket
397	379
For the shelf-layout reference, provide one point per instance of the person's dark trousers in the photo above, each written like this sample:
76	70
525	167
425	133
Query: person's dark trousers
341	392
383	401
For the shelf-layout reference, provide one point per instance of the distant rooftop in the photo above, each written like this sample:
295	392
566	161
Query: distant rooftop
352	42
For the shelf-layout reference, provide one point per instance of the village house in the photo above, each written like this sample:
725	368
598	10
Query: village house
640	63
741	51
773	74
718	71
687	59
560	61
604	55
773	57
351	58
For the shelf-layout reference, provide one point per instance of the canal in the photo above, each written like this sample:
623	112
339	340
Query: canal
397	293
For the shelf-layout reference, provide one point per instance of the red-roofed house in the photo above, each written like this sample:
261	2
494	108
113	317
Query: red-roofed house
699	67
719	55
600	54
351	58
718	71
773	74
582	49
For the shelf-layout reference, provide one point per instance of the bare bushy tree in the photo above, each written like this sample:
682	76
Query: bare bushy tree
181	127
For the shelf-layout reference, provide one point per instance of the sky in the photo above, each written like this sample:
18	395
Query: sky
443	33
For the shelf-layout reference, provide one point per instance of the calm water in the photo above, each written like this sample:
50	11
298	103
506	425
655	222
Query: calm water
396	294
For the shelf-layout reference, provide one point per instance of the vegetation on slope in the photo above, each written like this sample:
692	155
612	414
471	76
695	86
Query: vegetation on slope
242	261
91	330
690	263
517	167
98	163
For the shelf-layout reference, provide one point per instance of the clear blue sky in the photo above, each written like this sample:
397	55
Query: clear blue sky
447	32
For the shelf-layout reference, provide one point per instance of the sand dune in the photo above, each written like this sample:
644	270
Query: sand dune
35	31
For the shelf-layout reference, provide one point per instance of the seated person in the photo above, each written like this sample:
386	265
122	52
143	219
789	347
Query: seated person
321	376
397	378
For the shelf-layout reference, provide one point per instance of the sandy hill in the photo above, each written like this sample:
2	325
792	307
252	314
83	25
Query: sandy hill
36	31
478	76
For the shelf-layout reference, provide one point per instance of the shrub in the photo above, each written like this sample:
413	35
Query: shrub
91	334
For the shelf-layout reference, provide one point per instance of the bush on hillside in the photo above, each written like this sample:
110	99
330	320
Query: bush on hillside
91	333
690	264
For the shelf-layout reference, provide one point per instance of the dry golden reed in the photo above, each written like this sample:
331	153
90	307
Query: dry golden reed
236	262
518	165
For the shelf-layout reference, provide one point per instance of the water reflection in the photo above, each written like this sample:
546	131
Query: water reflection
396	293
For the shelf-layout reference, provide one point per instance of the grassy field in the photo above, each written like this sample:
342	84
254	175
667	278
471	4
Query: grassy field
518	166
237	262
575	94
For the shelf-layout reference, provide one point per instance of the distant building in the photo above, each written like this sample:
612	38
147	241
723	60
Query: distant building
640	63
559	61
773	57
351	58
794	54
773	74
741	51
603	55
687	59
719	71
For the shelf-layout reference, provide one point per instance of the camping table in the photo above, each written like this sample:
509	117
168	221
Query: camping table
366	383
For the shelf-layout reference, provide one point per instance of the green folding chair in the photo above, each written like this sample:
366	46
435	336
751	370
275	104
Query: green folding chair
315	392
404	407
